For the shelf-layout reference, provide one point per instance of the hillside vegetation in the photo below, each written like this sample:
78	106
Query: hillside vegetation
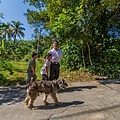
88	32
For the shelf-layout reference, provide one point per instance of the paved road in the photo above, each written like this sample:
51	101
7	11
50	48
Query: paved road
96	100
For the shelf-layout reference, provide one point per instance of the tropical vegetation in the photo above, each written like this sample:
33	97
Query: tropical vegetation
88	32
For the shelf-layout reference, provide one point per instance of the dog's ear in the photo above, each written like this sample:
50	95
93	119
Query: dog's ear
64	82
60	81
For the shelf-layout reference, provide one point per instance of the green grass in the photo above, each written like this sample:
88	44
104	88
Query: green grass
19	75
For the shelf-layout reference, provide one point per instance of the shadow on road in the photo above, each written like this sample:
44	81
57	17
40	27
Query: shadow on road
76	88
105	81
12	95
65	104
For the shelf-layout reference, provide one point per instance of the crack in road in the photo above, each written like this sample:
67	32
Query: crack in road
50	116
90	111
112	88
59	113
109	87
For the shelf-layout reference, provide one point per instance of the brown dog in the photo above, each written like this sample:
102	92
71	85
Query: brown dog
48	87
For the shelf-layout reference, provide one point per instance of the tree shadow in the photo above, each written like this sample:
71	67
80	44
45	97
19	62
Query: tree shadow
105	81
64	104
12	95
76	88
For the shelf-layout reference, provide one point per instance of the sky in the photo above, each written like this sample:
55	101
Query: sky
13	10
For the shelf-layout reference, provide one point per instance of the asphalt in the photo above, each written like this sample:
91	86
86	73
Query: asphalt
95	100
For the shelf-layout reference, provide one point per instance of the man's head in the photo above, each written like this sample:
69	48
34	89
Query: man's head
55	44
35	55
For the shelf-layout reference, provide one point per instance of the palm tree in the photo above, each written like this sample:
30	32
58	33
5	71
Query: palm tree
17	30
7	31
0	31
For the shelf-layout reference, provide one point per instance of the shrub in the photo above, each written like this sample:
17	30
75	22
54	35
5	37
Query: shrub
2	79
108	64
71	56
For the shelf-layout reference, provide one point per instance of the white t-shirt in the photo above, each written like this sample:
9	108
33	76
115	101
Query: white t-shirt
47	64
56	55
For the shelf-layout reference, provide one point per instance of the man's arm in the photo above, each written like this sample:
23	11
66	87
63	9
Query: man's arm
60	53
50	51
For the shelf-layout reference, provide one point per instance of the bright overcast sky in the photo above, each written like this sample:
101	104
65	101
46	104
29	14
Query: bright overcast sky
13	10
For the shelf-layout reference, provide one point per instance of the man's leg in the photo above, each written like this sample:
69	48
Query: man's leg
57	71
52	72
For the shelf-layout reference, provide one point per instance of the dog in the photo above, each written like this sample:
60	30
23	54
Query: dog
46	87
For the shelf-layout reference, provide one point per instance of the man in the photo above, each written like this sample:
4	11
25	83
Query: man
55	66
31	68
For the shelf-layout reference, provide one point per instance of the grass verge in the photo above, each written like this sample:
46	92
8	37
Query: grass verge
19	75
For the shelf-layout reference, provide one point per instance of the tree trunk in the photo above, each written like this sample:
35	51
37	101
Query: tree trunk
84	39
83	57
14	42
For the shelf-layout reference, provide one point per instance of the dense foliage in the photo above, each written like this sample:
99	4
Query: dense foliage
88	32
72	57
